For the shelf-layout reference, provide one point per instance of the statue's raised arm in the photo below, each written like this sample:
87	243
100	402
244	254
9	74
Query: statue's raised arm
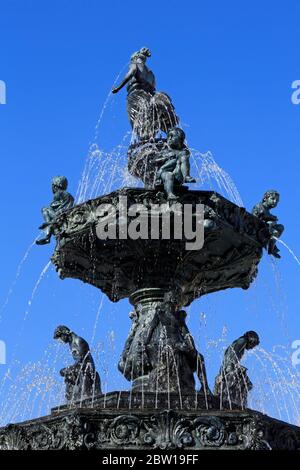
129	76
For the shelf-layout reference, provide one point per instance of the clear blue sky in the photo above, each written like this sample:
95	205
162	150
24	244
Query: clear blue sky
228	66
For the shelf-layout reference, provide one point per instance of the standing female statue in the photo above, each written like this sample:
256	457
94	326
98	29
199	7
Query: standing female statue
149	111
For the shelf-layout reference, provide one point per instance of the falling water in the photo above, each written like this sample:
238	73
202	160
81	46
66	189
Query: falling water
289	250
18	273
281	382
95	160
14	363
34	291
32	389
107	171
210	175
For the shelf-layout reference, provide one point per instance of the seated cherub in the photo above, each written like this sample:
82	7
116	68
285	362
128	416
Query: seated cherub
176	163
62	200
262	211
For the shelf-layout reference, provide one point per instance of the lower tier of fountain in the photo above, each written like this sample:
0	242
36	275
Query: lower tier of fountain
136	421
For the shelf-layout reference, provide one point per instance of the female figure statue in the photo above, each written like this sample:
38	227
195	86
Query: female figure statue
149	111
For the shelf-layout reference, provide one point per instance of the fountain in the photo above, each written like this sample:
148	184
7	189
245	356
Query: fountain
161	246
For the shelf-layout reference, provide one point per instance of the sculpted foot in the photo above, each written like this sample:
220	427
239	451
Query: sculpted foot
43	241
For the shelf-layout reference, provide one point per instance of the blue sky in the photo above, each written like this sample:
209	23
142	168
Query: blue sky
228	66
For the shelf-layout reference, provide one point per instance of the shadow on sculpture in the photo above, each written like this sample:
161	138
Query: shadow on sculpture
62	200
232	384
262	211
149	111
81	379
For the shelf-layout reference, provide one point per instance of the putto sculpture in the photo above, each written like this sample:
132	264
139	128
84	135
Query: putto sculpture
262	211
174	159
81	379
232	384
149	111
62	200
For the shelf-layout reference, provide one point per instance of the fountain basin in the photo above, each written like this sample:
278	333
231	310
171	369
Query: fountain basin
233	246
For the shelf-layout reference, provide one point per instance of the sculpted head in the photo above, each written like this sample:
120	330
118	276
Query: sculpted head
59	183
271	198
176	138
252	339
141	55
62	333
181	315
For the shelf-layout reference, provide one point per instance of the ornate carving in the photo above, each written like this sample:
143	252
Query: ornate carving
151	430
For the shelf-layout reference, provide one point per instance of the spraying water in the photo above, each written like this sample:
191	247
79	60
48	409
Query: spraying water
18	273
289	250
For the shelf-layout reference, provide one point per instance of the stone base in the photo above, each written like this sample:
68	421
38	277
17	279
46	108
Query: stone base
120	420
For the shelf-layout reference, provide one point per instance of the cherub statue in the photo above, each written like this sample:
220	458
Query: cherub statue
149	111
232	383
81	379
62	200
176	163
262	211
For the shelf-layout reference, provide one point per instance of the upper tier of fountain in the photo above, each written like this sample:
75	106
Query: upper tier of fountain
233	243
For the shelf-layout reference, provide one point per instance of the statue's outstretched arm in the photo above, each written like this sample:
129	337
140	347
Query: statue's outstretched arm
130	74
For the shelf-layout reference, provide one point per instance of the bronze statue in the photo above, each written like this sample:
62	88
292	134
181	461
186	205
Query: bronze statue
232	383
149	111
175	157
262	211
169	351
62	200
196	359
81	379
128	359
160	353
